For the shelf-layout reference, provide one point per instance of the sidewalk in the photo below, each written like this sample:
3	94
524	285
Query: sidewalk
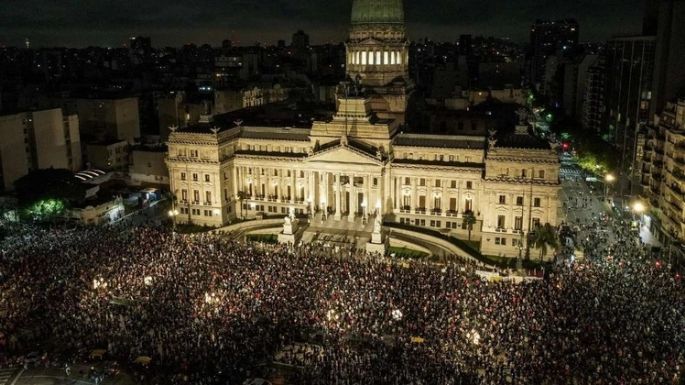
646	235
57	376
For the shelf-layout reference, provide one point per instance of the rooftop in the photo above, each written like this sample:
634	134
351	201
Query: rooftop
272	115
519	140
440	141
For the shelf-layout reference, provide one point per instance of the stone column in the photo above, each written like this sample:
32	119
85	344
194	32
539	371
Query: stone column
398	192
414	195
323	195
312	190
253	183
338	197
353	200
293	188
236	188
370	203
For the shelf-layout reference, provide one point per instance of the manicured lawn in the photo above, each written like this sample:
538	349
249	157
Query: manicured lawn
403	252
263	238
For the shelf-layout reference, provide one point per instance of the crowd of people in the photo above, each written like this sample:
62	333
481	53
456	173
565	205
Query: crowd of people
211	311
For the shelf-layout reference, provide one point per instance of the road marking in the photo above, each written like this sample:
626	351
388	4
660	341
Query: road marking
71	380
16	377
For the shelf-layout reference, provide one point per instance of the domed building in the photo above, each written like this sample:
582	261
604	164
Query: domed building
356	171
378	56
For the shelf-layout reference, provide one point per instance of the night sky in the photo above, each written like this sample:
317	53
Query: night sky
78	23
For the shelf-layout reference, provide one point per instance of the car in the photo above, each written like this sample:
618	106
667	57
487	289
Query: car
31	359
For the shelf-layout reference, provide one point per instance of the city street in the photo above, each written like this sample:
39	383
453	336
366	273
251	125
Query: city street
57	376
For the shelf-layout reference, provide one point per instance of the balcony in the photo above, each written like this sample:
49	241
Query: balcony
420	211
675	188
452	213
405	209
654	202
678	174
436	212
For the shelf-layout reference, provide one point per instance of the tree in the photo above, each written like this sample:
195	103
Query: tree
49	184
470	220
46	194
543	238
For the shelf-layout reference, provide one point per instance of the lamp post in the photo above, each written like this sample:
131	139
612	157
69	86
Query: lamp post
173	213
364	217
608	179
639	209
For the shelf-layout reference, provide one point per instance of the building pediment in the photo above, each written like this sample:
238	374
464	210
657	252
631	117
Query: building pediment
345	155
370	41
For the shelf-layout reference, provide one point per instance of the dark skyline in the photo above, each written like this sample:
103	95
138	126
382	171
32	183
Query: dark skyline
75	23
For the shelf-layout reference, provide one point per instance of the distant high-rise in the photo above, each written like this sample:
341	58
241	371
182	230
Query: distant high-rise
549	37
140	44
107	119
630	68
669	73
650	18
140	49
300	40
465	45
37	140
591	90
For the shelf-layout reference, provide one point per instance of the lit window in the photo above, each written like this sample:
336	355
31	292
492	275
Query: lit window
385	57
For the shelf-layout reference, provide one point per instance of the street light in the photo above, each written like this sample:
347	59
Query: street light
173	214
609	178
364	211
639	207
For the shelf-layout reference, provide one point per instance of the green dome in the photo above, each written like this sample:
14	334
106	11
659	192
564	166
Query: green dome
377	11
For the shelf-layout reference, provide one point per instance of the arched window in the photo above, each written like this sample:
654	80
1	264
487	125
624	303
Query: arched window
356	54
364	58
385	57
399	58
371	58
392	57
378	57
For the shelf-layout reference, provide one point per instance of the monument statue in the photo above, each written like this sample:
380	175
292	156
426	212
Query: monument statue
523	115
377	225
287	226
